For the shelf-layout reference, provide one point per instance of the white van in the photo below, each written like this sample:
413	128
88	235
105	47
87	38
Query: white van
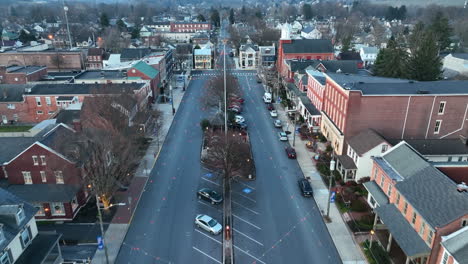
267	98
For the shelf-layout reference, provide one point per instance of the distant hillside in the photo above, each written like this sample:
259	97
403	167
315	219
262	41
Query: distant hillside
420	2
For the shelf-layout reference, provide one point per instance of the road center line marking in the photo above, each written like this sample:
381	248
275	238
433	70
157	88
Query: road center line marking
208	236
237	231
255	212
247	253
215	260
211	181
245	221
245	197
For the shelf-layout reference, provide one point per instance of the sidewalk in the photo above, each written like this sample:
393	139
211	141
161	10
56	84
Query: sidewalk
347	247
117	230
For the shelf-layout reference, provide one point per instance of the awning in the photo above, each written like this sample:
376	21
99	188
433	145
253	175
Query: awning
65	98
403	233
377	193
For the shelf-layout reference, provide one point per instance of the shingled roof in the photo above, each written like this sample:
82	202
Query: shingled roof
365	141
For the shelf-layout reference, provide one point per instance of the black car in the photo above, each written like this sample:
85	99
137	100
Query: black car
210	196
240	126
270	106
305	187
291	152
231	54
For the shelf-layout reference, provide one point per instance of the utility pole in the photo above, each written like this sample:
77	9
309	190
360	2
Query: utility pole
332	168
102	228
65	8
225	90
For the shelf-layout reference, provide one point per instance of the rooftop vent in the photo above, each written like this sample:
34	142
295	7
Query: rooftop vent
462	187
423	92
361	82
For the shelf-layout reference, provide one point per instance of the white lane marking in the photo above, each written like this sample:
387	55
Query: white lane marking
245	197
211	181
237	231
215	260
209	205
255	212
247	253
245	221
245	184
208	236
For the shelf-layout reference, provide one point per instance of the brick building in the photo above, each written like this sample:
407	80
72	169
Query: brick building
143	71
21	74
415	203
12	105
94	58
190	26
54	60
38	172
394	108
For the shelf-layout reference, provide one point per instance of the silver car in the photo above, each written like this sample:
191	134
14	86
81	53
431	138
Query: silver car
208	224
274	113
277	123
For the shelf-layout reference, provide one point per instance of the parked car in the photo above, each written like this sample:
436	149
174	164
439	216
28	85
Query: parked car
241	126
231	54
235	110
259	80
239	119
274	113
270	106
282	136
291	152
277	123
208	224
304	186
210	196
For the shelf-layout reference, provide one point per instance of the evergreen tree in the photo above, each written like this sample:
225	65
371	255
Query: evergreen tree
307	11
231	16
135	33
346	44
441	30
392	61
121	25
425	63
104	20
215	17
379	65
25	37
201	18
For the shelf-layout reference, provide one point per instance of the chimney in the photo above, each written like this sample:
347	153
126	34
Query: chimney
462	187
77	125
5	93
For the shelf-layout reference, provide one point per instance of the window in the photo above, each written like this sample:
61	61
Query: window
11	106
444	258
413	221
5	258
50	112
389	192
39	112
59	177
382	180
429	237
25	237
422	228
48	102
27	177
43	176
441	108
375	172
38	101
437	126
15	117
405	208
57	209
35	161
384	148
397	199
464	222
43	161
20	215
41	211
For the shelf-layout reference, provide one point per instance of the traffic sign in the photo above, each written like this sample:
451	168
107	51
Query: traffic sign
100	242
332	197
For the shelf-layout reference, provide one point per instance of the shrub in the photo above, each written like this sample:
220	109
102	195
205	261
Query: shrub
350	183
377	255
358	206
363	180
322	138
329	148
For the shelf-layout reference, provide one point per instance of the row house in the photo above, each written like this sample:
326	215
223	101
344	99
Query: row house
33	104
267	56
395	108
21	74
418	206
163	26
190	26
36	170
21	242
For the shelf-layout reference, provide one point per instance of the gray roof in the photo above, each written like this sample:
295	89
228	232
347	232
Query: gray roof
309	106
317	76
82	88
350	55
304	79
293	88
368	50
457	245
431	193
365	141
463	56
403	233
407	88
134	54
342	66
12	146
67	116
349	80
114	74
10	228
245	47
347	162
35	193
24	69
55	138
12	92
428	147
308	46
379	196
39	249
300	65
308	29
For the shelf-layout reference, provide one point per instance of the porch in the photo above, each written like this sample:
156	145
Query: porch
346	167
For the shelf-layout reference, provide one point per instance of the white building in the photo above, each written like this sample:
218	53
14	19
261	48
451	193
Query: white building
311	33
368	55
145	32
202	58
455	64
248	55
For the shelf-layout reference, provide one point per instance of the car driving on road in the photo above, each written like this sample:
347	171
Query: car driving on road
305	187
239	119
274	113
277	123
209	195
291	152
208	224
282	136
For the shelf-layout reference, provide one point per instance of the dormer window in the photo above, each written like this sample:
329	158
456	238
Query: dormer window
20	216
2	235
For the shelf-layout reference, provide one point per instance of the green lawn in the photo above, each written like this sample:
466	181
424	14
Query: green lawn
14	128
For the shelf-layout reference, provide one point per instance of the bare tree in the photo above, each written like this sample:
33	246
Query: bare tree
214	90
57	60
111	40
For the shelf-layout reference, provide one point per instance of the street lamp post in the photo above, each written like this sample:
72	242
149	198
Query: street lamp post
225	90
65	8
332	168
172	99
372	232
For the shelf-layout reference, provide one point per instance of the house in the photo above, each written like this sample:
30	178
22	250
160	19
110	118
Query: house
21	74
416	205
267	56
299	66
13	107
301	49
37	171
94	58
368	55
201	38
164	26
311	33
351	56
315	88
20	240
203	59
190	26
248	55
423	110
455	64
296	27
145	32
454	247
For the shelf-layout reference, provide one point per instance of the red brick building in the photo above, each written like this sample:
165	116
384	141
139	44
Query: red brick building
54	60
13	107
416	203
190	26
39	173
94	58
21	74
394	108
143	71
